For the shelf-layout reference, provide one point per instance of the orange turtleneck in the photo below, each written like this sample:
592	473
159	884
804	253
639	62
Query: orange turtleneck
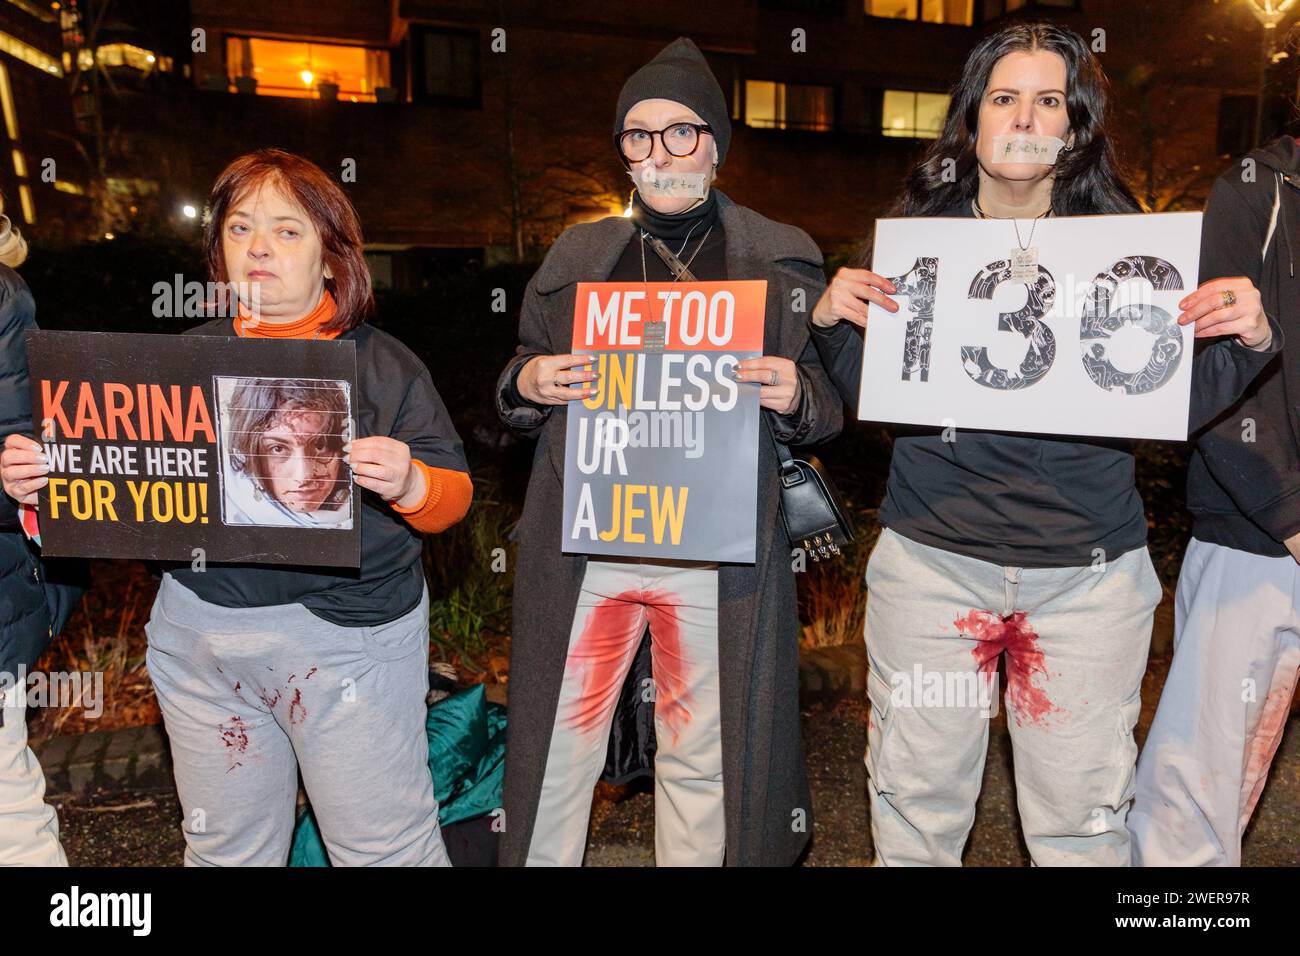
447	493
308	327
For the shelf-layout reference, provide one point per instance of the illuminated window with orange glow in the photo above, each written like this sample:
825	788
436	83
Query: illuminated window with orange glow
913	115
960	12
298	68
770	105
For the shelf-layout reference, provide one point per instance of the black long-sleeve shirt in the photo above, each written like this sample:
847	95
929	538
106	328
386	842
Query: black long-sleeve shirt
395	397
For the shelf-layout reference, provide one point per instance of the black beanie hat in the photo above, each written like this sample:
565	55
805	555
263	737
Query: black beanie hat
679	73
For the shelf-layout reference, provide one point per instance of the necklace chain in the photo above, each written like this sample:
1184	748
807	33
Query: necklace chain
979	211
687	264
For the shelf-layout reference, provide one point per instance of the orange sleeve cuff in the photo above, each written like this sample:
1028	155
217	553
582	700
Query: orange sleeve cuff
447	494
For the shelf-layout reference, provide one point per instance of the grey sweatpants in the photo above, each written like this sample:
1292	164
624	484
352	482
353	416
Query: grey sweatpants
252	696
1076	642
1223	709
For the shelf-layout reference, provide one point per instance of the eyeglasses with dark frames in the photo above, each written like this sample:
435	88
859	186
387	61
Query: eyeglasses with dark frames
679	139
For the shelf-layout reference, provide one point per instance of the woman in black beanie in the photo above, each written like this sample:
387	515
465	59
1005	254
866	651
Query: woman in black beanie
730	779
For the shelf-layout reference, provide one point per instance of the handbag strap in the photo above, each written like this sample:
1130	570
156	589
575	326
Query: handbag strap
788	471
679	269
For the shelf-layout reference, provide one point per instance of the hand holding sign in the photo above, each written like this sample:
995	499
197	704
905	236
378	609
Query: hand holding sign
195	448
546	378
661	455
1092	334
1230	306
848	295
778	380
23	468
384	465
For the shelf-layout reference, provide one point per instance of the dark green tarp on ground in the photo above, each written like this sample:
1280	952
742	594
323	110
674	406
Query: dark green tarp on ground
467	750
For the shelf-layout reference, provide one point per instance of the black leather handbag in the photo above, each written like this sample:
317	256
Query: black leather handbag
811	508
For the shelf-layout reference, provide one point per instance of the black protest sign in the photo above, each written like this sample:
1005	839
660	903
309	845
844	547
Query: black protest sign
196	447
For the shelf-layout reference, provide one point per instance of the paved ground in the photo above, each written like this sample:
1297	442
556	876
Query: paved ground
142	828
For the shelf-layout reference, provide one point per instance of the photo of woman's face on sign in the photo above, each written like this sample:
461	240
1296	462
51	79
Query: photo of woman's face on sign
282	452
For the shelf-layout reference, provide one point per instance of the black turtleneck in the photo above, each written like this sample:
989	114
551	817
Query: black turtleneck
677	225
684	233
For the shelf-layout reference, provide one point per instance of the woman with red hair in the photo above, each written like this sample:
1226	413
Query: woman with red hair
263	672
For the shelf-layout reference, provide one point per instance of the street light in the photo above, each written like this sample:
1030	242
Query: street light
1269	13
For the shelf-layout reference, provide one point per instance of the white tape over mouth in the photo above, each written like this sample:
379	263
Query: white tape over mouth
1027	148
655	182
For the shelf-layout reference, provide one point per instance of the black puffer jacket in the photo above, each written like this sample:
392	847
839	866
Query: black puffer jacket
36	597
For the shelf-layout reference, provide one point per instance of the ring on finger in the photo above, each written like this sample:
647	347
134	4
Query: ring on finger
1229	298
776	377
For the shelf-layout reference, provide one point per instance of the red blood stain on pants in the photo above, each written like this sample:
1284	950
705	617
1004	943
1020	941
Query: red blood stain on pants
234	735
669	664
1011	633
612	630
1262	745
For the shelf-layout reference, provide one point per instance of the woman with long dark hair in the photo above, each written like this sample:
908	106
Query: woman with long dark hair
1025	544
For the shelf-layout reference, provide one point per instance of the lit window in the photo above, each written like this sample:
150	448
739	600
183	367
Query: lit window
894	9
29	207
913	115
297	68
996	8
15	148
960	12
770	105
130	187
47	11
29	54
7	103
125	54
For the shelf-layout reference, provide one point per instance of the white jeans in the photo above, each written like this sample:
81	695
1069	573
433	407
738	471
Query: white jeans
679	602
1223	709
1076	642
29	828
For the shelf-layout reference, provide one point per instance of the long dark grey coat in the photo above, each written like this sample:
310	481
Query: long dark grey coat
768	808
